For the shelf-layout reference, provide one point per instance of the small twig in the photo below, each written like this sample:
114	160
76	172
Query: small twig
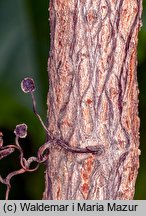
8	178
36	113
98	150
7	191
89	149
6	152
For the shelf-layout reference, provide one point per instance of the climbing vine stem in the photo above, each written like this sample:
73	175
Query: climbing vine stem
28	86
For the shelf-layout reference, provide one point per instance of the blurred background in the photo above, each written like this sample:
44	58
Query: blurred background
24	48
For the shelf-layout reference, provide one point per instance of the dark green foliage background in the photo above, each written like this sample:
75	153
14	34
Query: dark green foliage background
24	48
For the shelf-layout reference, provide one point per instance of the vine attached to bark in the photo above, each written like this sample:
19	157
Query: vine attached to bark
28	86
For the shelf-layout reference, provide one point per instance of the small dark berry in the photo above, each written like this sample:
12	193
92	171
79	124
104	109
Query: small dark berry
27	85
21	130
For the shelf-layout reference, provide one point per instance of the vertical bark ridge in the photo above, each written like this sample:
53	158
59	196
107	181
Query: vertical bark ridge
93	98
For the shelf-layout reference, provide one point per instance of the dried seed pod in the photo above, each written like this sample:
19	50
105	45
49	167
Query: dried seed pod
28	85
21	130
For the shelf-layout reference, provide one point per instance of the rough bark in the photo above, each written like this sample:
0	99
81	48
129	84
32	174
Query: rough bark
93	98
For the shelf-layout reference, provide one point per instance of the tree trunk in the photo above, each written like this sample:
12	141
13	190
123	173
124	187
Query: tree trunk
93	99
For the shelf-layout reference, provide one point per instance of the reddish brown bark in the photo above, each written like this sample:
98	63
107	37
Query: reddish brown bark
93	98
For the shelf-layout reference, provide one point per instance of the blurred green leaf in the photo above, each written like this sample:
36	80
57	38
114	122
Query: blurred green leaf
24	45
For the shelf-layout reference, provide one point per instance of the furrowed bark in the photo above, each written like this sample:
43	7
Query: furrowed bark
93	98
